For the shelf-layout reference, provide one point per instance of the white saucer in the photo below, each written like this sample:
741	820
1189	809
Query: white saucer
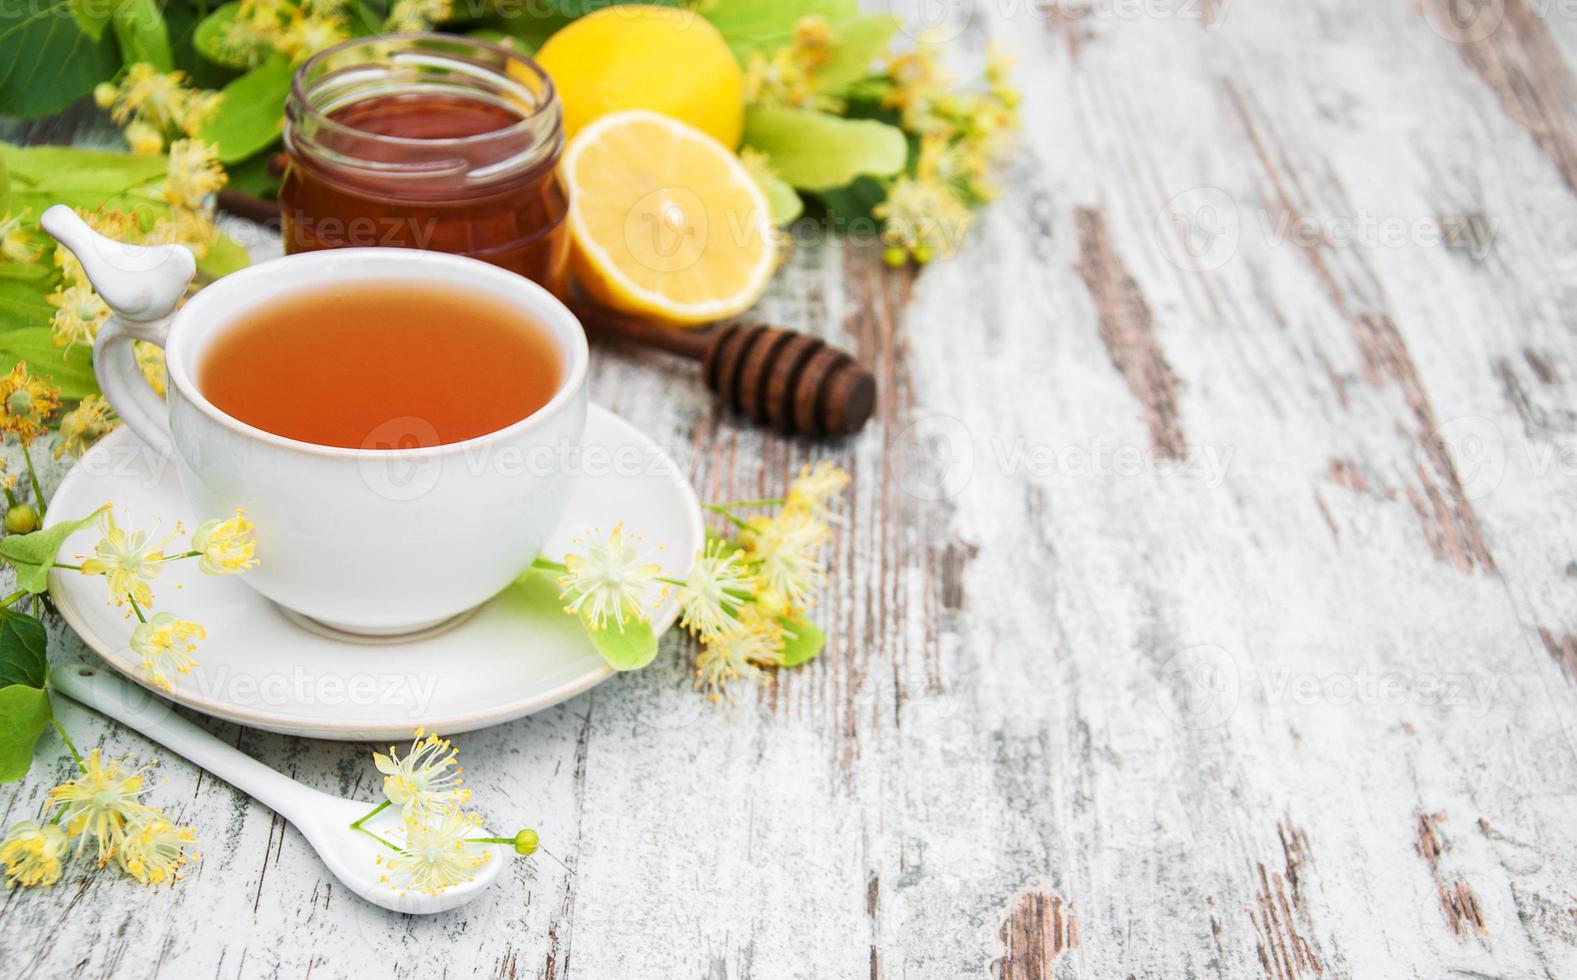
516	654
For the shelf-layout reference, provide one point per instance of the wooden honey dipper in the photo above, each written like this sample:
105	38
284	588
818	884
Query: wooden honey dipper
789	380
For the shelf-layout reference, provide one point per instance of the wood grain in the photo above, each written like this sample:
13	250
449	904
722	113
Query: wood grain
1203	606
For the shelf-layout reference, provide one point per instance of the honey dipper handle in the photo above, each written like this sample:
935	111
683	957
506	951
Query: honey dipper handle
603	322
789	380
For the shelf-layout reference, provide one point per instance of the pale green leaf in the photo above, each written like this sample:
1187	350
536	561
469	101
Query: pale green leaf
55	169
41	274
224	256
802	641
630	648
251	111
816	150
856	44
22	645
34	554
70	368
22	302
24	714
782	201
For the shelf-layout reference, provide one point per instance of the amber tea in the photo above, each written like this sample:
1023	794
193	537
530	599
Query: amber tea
382	365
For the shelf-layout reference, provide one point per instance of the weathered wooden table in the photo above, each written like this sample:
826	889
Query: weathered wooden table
1205	604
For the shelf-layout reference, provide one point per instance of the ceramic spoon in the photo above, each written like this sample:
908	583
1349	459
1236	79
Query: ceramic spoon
323	820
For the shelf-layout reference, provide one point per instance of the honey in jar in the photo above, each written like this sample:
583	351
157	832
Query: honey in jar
427	141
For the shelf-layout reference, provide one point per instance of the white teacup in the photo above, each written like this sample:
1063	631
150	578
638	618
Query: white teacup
369	541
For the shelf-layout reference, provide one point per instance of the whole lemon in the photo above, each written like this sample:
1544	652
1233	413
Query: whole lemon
636	56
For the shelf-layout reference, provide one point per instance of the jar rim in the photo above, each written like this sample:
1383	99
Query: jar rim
542	100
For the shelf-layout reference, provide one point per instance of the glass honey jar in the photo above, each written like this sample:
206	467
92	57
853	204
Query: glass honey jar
427	141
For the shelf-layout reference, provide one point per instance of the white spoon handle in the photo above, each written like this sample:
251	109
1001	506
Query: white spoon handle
154	717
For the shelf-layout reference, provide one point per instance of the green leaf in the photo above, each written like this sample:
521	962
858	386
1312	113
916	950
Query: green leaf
142	34
183	20
251	112
71	369
47	61
22	302
816	150
802	641
24	714
631	648
209	36
56	169
367	17
766	25
34	554
41	274
251	176
846	205
782	201
91	15
22	645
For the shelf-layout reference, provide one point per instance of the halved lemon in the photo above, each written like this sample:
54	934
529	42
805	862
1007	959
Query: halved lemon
665	221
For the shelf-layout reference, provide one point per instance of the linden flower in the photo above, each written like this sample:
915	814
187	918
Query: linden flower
143	138
128	562
750	640
785	553
226	545
194	173
310	33
789	76
84	425
264	13
145	91
150	361
923	218
816	488
612	580
416	16
165	645
421	784
153	850
918	78
714	590
32	852
100	803
16	242
79	312
26	403
182	226
161	102
436	856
